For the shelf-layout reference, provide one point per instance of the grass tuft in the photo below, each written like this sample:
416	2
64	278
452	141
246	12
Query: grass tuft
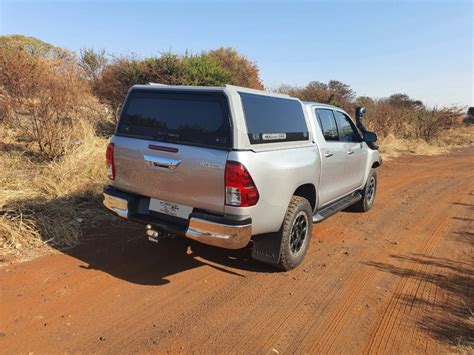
48	202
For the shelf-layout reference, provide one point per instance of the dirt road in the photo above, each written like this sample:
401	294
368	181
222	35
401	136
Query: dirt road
397	279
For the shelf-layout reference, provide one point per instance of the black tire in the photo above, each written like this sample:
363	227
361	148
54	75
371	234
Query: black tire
295	233
368	194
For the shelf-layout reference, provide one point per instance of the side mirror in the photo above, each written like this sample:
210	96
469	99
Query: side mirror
370	137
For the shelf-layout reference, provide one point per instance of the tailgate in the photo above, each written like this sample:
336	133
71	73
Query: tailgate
192	176
173	144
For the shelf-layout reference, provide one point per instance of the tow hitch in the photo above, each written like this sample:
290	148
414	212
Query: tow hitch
153	235
157	235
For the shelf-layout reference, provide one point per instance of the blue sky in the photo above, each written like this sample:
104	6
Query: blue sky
422	48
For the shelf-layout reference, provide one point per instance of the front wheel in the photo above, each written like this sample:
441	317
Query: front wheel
295	233
368	193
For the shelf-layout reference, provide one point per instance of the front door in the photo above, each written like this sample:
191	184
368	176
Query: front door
356	155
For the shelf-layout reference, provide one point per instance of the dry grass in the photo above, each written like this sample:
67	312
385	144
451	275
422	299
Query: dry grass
48	202
458	137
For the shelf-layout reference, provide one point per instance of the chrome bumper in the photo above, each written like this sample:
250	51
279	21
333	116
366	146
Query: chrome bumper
117	205
219	235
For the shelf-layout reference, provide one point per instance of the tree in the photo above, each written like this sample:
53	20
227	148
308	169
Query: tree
315	91
341	91
334	93
470	112
365	101
469	117
34	47
92	62
403	100
242	71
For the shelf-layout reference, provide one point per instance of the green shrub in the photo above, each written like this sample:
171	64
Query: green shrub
171	69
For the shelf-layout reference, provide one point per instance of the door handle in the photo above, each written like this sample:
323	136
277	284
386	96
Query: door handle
350	152
159	162
328	154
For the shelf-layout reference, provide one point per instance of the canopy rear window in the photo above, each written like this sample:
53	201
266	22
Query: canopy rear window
195	118
273	119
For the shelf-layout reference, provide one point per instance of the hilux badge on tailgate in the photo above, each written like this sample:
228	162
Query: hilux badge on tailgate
205	164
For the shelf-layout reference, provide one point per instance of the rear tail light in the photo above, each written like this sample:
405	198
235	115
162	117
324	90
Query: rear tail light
109	159
240	190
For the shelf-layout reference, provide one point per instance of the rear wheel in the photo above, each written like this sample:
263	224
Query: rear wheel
295	233
368	193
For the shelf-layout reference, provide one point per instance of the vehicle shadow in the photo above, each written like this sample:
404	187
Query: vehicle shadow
121	249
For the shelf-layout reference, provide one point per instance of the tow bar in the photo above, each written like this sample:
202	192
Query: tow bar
156	235
153	235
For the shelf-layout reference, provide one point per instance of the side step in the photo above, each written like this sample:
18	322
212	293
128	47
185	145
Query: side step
335	207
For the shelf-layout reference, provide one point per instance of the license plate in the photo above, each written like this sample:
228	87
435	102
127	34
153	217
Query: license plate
170	208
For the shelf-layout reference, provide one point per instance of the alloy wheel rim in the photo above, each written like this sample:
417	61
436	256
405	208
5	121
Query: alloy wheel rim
298	233
371	191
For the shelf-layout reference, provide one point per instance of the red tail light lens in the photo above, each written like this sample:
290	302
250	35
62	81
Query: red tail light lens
240	190
109	159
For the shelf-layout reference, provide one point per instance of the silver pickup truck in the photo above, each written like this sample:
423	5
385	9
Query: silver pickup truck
229	166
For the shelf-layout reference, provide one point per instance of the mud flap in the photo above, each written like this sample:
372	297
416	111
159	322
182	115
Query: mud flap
266	248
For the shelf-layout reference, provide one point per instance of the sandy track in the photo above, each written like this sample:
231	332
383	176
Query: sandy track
397	279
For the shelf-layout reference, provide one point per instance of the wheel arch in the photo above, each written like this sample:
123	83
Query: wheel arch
308	191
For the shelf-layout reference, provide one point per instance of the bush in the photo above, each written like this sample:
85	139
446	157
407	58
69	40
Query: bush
334	93
242	71
92	62
429	123
45	99
118	77
398	115
407	121
213	68
203	70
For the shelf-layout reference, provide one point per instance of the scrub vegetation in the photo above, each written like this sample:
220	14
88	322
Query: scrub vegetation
57	109
403	123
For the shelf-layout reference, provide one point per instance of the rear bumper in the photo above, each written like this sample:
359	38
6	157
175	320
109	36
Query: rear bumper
219	234
227	231
116	204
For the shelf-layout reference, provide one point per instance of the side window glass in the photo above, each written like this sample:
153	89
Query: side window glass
273	119
328	124
348	133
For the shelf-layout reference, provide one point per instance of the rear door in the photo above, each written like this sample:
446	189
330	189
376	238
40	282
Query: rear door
333	158
173	146
356	155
